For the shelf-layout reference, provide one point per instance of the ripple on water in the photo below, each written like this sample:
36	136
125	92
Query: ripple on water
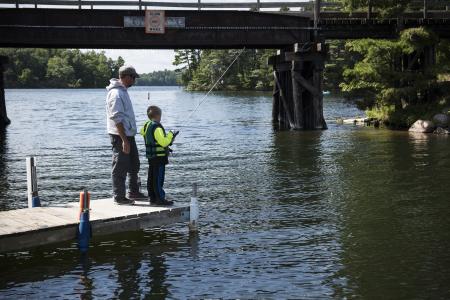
283	214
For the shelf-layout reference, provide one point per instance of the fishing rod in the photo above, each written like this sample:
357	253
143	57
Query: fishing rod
205	97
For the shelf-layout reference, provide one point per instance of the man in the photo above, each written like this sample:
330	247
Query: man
121	124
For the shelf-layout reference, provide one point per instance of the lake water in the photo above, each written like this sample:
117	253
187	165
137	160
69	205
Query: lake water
349	212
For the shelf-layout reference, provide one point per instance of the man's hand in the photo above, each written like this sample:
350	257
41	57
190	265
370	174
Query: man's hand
125	142
126	146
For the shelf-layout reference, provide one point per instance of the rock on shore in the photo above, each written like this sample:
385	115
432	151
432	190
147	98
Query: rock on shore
441	130
422	126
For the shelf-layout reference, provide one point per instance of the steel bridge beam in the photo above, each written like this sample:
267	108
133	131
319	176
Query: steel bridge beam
70	28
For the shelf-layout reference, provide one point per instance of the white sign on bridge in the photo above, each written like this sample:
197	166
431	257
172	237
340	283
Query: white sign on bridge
139	21
155	22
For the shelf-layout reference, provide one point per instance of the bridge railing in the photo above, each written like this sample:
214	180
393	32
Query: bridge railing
257	5
143	4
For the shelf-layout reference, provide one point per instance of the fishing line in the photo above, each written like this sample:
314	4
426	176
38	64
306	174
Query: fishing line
214	85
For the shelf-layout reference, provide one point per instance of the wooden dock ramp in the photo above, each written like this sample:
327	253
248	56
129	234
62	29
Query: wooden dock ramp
30	227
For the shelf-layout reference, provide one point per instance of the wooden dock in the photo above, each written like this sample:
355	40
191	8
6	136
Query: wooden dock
30	227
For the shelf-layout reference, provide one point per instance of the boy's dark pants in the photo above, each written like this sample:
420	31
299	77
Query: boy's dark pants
155	181
123	164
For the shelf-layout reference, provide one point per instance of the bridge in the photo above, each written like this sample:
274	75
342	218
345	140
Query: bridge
299	35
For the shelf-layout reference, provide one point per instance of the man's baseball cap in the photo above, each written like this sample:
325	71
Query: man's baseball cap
128	70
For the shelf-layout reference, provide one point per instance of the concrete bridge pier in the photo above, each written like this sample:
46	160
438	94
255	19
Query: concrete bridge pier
4	121
298	95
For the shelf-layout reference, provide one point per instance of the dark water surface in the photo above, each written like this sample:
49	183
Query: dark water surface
350	212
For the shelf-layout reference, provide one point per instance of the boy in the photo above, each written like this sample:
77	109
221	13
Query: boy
157	151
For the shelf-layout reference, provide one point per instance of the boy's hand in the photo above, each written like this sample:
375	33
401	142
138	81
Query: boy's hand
175	133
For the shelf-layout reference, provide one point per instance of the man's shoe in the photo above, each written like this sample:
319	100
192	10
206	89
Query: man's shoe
136	196
124	201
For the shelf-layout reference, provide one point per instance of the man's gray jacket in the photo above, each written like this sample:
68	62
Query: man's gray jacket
119	109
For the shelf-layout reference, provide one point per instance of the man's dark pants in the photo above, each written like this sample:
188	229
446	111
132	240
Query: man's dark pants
123	164
155	181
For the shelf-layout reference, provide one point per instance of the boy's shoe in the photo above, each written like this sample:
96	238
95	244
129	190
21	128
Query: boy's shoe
137	195
124	201
161	202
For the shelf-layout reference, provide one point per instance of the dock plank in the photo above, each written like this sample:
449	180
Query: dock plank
69	214
36	220
30	227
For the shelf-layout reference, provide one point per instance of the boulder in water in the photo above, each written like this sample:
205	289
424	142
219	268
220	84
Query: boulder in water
441	130
422	126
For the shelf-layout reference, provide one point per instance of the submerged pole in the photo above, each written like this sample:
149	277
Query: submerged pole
4	121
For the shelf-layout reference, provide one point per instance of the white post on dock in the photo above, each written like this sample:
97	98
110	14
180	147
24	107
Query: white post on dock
32	187
193	208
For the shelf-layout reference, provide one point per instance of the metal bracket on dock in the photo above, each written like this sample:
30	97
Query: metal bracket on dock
185	215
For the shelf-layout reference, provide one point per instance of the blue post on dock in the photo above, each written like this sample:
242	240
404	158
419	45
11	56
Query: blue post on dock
84	228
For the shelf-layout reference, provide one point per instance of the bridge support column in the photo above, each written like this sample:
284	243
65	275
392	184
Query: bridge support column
4	121
282	110
298	96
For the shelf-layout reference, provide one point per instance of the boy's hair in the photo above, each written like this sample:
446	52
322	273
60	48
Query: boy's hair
153	111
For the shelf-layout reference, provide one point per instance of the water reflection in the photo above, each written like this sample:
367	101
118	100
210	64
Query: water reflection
124	266
391	224
85	280
193	242
302	217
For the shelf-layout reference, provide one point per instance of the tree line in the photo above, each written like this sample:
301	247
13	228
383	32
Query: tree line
199	69
67	68
58	68
158	78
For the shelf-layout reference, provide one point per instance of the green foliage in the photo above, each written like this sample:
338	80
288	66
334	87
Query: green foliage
386	8
284	8
59	72
158	78
338	59
397	81
39	68
249	72
187	62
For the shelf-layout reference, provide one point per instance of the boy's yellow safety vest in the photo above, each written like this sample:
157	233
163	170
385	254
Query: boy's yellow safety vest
152	148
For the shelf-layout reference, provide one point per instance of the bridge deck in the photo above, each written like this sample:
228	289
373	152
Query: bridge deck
29	227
